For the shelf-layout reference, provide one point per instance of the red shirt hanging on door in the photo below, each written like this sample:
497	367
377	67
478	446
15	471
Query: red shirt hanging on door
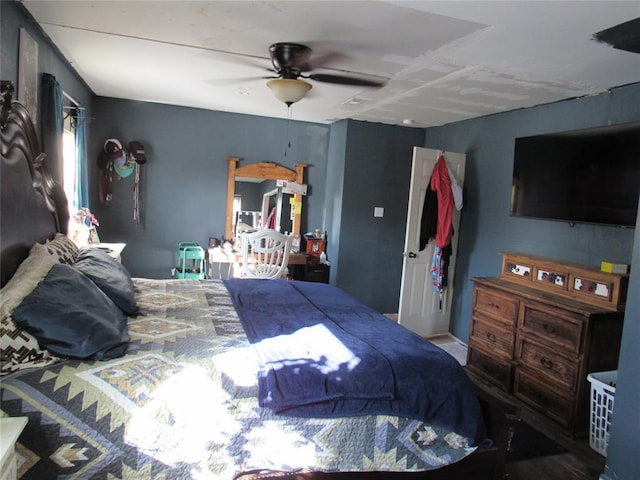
441	184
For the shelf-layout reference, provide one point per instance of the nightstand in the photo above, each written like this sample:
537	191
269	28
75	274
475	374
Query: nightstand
10	430
316	272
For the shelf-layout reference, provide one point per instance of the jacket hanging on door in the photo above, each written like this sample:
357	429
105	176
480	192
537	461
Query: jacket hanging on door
442	194
441	184
429	219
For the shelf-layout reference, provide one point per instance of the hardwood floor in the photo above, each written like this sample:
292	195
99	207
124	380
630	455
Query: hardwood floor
557	467
579	463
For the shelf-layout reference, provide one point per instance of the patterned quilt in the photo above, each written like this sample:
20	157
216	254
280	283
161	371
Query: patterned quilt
181	404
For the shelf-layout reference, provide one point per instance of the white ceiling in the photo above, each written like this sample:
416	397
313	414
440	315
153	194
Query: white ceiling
445	61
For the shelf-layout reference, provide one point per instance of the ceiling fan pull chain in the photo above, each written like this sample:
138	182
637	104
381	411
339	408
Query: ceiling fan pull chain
288	133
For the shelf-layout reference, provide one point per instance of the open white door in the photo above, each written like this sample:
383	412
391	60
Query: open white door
421	309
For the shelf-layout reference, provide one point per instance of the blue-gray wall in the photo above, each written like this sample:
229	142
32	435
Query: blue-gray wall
334	194
184	182
622	457
376	171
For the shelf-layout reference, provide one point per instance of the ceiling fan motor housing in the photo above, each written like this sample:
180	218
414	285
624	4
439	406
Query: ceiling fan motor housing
289	59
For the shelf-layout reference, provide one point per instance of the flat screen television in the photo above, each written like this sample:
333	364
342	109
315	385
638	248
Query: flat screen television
579	176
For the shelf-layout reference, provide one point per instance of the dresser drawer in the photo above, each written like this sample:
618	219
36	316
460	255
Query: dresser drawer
502	308
495	336
542	398
552	366
559	328
489	368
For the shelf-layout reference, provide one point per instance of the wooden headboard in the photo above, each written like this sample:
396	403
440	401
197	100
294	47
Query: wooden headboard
33	207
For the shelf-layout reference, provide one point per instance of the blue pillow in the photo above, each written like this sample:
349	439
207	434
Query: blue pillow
110	276
71	317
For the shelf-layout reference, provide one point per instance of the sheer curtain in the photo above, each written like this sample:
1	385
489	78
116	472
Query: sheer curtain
81	189
51	125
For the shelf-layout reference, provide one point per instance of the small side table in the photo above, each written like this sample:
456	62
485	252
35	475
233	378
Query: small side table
316	272
10	430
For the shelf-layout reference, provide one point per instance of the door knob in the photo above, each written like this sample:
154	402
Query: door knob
412	255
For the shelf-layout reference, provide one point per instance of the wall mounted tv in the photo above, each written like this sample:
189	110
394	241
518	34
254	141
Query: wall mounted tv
580	176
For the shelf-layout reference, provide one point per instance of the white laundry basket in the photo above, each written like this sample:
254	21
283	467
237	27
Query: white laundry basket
603	390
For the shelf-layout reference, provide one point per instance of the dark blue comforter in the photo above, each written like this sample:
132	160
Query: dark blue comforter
324	354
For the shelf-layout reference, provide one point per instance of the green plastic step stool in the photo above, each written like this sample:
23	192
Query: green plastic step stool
190	261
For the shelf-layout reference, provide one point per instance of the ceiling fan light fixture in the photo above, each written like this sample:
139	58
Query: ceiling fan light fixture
289	90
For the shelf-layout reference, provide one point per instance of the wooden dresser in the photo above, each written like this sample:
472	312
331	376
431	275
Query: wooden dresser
538	343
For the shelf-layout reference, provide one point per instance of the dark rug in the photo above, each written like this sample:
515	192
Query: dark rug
518	439
524	441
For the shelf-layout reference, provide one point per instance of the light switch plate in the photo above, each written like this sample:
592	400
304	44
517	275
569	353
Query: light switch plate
378	211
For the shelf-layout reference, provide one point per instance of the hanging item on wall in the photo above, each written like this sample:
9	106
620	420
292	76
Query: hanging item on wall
122	164
105	171
136	151
123	167
113	148
105	179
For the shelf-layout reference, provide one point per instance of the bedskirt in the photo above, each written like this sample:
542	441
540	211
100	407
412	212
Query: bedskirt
182	404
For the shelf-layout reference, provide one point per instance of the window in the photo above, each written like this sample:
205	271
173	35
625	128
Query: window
70	160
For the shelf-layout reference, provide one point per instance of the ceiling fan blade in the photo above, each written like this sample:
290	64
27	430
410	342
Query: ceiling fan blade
225	82
323	61
343	80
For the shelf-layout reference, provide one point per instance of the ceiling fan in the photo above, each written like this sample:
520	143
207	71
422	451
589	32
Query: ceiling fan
292	61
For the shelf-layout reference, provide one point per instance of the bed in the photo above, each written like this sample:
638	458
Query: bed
132	378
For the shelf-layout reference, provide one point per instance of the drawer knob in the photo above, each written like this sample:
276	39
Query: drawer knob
548	328
491	337
494	305
545	362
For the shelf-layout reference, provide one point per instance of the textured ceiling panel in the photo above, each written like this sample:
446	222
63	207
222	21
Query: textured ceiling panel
445	61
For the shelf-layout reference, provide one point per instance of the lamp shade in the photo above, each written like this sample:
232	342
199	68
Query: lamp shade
289	90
